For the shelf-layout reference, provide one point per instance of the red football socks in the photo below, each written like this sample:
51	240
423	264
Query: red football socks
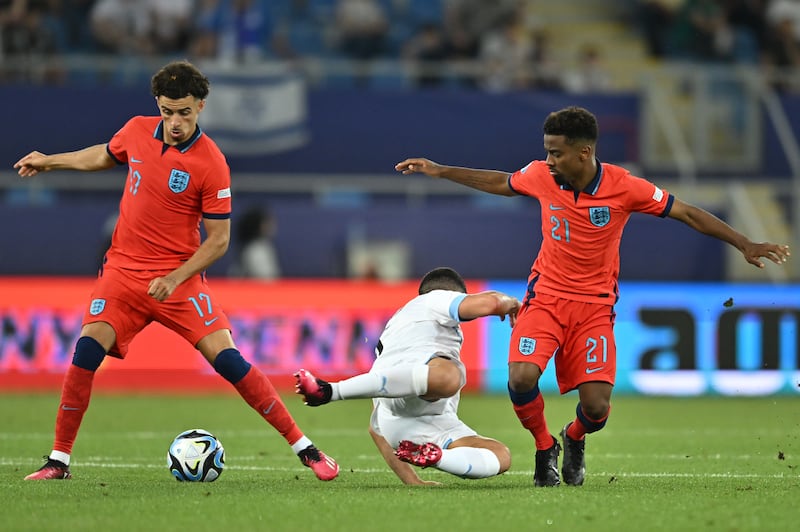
75	394
259	393
578	429
531	415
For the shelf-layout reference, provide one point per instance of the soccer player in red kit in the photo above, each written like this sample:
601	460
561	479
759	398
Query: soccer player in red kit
154	269
568	310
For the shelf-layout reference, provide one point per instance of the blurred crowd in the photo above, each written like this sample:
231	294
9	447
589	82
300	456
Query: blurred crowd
742	31
511	47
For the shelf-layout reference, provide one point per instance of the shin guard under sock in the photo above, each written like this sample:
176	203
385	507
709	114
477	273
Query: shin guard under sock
529	407
584	425
75	394
257	390
403	381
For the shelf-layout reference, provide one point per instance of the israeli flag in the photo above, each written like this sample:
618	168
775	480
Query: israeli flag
256	111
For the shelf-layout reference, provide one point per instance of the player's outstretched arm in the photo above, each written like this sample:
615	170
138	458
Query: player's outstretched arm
492	181
706	223
489	303
405	472
88	159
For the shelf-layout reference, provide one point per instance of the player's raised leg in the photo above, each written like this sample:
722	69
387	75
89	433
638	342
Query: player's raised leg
401	381
435	379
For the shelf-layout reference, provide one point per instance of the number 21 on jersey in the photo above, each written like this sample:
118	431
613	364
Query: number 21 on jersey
559	229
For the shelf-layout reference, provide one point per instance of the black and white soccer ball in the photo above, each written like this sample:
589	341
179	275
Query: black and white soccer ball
196	456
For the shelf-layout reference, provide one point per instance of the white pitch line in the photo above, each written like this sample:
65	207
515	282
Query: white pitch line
607	474
612	433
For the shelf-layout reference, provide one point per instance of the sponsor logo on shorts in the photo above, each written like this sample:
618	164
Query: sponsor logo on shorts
589	371
527	345
97	306
209	322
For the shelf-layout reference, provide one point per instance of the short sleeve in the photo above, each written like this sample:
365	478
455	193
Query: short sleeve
216	192
443	306
116	146
525	180
647	198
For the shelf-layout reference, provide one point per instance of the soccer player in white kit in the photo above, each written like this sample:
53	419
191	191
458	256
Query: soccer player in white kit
416	380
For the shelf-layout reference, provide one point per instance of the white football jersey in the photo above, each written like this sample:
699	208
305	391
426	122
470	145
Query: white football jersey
425	325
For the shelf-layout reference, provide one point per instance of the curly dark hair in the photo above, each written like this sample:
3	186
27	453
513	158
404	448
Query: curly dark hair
442	279
179	79
574	123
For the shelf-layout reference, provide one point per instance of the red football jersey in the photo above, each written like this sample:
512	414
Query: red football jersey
169	189
581	232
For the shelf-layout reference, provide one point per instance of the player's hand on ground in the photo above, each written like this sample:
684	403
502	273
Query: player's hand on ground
31	164
161	288
424	483
777	253
423	166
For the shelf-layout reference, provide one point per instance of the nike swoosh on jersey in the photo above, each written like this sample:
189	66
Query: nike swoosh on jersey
209	322
556	207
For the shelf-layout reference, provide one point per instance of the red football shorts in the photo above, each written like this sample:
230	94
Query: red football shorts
120	298
579	335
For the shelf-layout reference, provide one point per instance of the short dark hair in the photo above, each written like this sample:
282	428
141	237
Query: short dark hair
442	279
249	226
574	123
179	79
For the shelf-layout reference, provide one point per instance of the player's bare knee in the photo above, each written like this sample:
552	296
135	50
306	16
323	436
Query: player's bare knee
596	409
444	379
504	457
523	378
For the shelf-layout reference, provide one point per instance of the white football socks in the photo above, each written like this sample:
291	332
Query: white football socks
61	457
301	444
403	381
469	462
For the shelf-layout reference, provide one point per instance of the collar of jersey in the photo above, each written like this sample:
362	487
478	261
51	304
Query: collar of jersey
594	184
183	146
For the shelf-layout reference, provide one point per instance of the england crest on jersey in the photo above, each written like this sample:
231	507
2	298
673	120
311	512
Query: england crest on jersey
97	306
527	345
178	181
599	216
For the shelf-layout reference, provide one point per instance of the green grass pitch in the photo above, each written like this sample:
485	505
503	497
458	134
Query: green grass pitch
661	464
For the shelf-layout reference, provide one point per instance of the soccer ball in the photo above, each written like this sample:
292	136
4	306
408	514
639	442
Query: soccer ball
196	456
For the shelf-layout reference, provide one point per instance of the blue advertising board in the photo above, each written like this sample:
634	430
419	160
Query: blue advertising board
687	339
